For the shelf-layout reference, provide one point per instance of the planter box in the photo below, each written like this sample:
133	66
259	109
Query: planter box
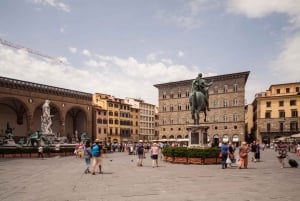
169	159
197	161
180	159
212	160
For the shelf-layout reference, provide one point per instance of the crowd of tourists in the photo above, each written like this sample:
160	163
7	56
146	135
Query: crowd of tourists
231	156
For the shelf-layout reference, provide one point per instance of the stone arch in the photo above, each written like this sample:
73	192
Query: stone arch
56	119
76	121
15	113
216	140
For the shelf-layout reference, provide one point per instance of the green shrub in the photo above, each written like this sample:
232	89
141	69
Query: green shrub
168	151
191	152
180	152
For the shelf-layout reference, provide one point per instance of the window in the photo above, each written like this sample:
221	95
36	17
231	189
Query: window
171	95
171	108
164	96
179	107
287	90
278	91
235	88
294	113
281	126
281	103
225	103
216	118
294	126
225	88
297	89
179	94
292	102
268	114
235	117
187	106
225	118
235	102
216	103
99	130
268	104
215	90
171	120
281	114
187	93
268	127
164	108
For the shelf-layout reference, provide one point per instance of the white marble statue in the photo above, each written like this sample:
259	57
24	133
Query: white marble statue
46	121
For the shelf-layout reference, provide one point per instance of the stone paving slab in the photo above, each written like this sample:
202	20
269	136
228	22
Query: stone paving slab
62	179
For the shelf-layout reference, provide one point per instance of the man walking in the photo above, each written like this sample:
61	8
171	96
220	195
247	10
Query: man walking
140	153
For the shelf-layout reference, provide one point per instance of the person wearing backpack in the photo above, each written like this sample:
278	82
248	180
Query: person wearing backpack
87	156
96	150
140	153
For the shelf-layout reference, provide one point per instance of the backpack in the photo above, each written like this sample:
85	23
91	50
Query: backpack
140	149
96	150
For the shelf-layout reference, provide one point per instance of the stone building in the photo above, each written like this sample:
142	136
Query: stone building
146	118
116	120
226	118
21	107
275	112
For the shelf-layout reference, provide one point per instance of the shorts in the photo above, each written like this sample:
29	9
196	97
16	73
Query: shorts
154	156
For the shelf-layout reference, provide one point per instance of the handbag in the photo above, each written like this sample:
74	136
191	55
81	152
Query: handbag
228	161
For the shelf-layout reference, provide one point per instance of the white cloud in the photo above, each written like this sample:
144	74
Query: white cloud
262	8
54	3
73	49
286	66
180	54
86	52
151	57
103	74
188	15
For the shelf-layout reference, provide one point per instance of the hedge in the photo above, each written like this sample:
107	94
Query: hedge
191	152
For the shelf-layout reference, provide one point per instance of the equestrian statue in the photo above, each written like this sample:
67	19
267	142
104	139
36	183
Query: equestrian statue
199	100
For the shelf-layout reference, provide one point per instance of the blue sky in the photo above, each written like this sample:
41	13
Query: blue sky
124	47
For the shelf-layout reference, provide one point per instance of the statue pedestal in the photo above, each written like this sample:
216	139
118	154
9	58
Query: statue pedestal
197	135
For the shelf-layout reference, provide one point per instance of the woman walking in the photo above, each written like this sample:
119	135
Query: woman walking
87	156
244	150
154	154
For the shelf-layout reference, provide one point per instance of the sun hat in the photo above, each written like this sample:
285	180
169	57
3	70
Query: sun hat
97	140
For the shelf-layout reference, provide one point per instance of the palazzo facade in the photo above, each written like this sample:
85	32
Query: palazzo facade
226	118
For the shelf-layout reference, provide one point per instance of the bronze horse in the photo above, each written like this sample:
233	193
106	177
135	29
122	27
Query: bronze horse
198	104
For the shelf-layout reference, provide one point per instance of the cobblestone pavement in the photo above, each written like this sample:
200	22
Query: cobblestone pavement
62	179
